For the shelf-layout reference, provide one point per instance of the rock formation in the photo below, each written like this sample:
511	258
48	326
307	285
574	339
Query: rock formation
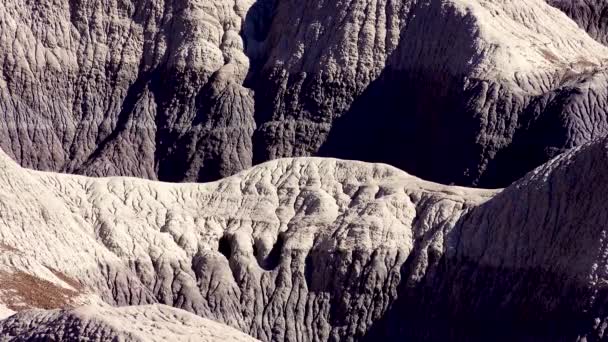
320	249
527	265
141	324
589	14
475	92
449	90
463	90
270	251
147	88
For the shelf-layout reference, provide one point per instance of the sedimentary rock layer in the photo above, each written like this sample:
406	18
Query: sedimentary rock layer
449	90
136	88
589	14
321	249
139	323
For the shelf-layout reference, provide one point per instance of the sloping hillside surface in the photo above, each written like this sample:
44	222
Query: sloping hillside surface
270	251
320	249
527	265
591	15
465	92
449	90
138	324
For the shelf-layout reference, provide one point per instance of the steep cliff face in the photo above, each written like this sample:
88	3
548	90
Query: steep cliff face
449	90
321	249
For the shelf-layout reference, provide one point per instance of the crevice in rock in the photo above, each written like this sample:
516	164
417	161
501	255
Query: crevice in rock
225	246
255	30
134	95
309	270
273	259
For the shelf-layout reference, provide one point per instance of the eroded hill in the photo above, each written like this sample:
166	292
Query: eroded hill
453	91
321	249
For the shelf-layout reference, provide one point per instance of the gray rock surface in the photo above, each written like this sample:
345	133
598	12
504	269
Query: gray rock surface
305	249
527	265
136	88
138	323
589	14
466	92
321	249
449	90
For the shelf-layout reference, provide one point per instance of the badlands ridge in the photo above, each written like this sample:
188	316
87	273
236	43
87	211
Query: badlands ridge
315	250
301	246
471	92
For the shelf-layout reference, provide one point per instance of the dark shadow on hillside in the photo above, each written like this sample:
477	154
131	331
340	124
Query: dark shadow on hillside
417	114
459	299
399	120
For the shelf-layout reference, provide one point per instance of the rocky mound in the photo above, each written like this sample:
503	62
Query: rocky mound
138	323
297	247
322	249
450	90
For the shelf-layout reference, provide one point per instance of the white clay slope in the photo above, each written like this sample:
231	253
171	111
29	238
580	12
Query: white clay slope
316	249
199	90
131	241
5	312
152	323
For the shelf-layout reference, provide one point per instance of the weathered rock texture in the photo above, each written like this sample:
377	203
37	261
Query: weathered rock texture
450	90
529	264
592	15
471	92
277	252
323	250
143	88
139	323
